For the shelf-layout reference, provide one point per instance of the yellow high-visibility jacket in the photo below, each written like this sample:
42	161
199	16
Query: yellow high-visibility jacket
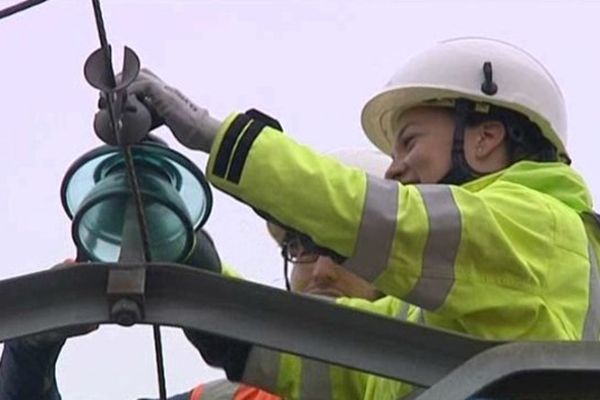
294	377
511	255
300	378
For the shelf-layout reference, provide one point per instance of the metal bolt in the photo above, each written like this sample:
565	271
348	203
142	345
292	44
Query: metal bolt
126	312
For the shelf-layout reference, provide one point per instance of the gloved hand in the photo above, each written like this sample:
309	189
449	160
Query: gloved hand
204	254
58	337
217	351
222	352
192	125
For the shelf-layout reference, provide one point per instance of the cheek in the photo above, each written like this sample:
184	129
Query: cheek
360	288
431	161
442	157
420	159
300	277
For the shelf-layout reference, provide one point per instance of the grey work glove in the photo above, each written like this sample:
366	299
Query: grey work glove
192	125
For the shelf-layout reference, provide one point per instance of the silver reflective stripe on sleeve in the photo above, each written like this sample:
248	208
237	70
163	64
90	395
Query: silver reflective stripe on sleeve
591	329
437	275
316	380
377	229
403	312
262	369
219	390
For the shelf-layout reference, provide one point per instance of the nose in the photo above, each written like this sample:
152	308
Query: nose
396	169
325	271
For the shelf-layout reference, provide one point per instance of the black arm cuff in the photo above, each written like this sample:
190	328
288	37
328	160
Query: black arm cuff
28	371
219	351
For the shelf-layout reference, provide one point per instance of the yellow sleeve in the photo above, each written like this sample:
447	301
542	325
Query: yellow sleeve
294	377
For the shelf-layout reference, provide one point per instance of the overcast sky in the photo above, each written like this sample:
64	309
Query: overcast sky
311	64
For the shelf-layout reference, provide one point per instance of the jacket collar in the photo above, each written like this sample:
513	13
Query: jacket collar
555	179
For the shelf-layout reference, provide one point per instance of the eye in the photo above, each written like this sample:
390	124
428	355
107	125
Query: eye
295	248
409	141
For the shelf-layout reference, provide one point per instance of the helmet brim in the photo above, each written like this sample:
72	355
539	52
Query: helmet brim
380	114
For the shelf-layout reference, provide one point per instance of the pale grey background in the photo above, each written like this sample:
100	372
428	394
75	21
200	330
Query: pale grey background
311	64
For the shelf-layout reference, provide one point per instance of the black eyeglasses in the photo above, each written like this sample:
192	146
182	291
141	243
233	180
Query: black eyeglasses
298	250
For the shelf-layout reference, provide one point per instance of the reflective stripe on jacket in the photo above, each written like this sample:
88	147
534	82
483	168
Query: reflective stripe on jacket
505	256
226	390
295	377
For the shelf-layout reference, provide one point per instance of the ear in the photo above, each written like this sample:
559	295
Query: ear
489	138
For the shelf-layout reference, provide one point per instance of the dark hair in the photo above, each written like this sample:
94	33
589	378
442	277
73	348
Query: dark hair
525	140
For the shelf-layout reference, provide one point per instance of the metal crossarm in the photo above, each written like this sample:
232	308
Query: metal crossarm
525	370
452	366
179	296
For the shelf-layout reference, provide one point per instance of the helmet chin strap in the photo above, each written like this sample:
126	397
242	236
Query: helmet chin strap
460	171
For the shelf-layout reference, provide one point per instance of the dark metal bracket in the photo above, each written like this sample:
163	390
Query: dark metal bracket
125	291
180	296
452	366
525	370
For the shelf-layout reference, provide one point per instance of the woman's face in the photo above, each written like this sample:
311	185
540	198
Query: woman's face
423	146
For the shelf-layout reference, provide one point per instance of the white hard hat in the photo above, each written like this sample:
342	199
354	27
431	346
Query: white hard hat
454	69
368	159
